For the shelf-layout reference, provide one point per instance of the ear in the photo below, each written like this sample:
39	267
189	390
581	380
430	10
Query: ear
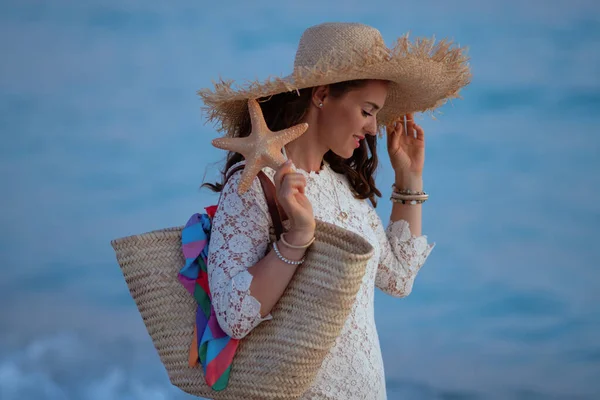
319	94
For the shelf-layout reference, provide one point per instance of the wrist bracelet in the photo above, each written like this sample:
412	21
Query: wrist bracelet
406	191
408	196
291	246
399	195
407	201
421	198
282	258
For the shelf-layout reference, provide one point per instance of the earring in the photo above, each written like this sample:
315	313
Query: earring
320	105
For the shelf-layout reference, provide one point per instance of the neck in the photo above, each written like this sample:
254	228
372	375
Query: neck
307	151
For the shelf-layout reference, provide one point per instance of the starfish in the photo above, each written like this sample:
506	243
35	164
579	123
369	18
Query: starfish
262	148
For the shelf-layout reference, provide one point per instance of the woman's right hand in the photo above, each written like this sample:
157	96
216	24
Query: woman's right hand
290	188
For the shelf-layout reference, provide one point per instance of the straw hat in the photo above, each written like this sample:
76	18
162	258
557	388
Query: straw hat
423	74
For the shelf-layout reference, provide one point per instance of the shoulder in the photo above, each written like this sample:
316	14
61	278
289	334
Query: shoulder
254	194
249	203
269	172
235	166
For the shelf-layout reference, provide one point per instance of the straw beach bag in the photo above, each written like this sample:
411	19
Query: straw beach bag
278	359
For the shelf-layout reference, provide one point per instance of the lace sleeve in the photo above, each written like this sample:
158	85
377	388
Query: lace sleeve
401	256
239	239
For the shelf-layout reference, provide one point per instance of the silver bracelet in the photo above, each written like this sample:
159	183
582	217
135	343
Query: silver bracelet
408	196
407	201
282	258
406	191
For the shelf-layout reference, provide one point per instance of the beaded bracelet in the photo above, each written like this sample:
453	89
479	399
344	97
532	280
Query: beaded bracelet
407	201
282	258
406	191
408	196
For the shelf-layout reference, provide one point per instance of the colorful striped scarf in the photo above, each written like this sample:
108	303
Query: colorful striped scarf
210	345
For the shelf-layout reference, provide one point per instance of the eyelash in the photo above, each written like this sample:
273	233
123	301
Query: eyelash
366	114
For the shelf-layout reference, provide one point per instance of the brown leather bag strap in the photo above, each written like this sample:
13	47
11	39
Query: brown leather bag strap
270	195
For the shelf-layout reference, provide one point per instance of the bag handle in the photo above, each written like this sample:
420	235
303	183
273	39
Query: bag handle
270	195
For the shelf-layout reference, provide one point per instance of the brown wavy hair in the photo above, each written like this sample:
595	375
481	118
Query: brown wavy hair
289	108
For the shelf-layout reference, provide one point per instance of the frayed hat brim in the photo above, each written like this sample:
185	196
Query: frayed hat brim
424	75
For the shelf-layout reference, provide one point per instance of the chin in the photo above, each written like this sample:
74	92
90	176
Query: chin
345	154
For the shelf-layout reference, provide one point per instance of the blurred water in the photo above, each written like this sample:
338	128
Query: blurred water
103	137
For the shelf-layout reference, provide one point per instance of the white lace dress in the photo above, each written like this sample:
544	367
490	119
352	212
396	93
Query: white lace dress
353	369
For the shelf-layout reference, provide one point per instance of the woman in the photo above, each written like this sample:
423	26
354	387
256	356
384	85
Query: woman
334	160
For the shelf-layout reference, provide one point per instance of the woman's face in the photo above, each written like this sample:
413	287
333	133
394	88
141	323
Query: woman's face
345	121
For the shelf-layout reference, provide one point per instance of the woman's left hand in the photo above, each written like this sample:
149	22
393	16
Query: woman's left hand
406	151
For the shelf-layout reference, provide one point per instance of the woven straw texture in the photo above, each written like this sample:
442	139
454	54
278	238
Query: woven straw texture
423	74
279	359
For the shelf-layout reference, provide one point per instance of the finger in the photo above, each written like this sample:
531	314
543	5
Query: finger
420	132
391	132
410	125
287	199
284	169
390	128
402	125
395	140
403	122
395	132
295	180
295	183
398	124
292	180
293	177
289	194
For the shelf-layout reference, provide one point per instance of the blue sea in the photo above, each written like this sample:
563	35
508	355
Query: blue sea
103	136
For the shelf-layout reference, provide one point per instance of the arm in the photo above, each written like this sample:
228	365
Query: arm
245	284
402	252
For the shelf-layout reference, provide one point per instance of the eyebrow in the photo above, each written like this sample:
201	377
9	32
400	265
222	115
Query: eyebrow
375	106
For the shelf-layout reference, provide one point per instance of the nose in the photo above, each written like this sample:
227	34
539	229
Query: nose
371	126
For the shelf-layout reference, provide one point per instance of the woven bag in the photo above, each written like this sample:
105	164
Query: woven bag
279	358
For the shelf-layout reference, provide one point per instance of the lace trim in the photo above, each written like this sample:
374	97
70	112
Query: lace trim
399	266
399	231
241	283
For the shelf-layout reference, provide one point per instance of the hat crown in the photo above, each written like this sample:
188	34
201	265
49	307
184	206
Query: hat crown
339	39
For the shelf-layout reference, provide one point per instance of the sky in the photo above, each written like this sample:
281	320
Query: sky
104	136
